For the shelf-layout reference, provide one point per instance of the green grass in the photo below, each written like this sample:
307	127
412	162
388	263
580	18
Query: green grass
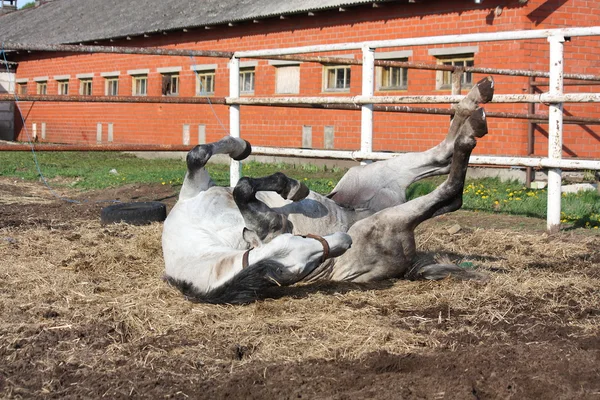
91	170
511	197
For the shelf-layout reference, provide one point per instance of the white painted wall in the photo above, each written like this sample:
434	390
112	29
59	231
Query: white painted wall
7	82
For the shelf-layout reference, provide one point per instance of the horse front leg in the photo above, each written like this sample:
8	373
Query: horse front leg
197	178
258	216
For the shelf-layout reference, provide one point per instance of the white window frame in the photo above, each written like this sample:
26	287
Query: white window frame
63	87
444	78
247	74
109	82
86	86
137	82
205	83
464	56
20	87
42	87
345	69
172	86
381	71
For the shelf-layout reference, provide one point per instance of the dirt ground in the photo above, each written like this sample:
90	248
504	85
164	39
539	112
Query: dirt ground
85	314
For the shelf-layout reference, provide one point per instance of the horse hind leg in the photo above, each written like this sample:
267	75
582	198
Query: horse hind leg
259	217
196	178
448	196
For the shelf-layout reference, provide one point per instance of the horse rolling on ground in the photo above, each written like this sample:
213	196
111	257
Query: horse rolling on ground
228	245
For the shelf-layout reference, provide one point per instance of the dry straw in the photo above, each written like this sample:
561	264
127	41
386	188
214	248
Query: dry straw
95	296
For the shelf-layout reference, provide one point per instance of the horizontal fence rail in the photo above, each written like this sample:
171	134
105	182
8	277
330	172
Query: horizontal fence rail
535	162
554	97
367	103
499	98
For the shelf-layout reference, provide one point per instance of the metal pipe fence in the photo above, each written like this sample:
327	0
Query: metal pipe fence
368	103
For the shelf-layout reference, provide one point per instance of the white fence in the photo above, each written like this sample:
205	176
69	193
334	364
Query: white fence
555	98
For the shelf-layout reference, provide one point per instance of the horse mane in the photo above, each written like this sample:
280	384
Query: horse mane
244	287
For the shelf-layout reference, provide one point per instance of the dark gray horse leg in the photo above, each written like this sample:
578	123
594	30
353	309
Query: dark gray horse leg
197	178
259	217
448	196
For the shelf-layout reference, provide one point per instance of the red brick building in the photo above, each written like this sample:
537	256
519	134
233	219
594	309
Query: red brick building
250	25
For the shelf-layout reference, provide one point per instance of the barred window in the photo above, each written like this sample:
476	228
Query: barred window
444	78
337	79
140	85
85	87
170	84
22	88
42	87
111	87
392	78
247	80
205	83
63	87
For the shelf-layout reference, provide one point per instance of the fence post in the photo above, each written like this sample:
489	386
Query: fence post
235	167
555	121
366	121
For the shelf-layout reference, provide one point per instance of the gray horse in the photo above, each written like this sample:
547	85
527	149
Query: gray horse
227	245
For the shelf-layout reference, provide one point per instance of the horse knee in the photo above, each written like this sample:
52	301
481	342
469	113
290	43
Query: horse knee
243	191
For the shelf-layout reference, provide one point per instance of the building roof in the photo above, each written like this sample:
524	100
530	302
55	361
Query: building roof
76	21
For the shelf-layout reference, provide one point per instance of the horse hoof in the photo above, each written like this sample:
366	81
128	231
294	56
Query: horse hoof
486	89
244	154
298	192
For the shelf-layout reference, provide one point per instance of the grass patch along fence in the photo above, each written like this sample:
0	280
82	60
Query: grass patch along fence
98	170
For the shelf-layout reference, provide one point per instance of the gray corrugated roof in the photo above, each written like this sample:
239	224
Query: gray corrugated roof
74	21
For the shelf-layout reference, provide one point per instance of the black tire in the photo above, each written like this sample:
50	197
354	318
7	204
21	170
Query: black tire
140	213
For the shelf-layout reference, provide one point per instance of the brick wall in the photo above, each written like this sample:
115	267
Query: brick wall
282	127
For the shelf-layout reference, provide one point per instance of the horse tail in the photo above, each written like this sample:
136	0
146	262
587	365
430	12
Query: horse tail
423	268
244	287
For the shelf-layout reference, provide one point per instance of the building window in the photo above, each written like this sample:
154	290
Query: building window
111	87
288	79
63	87
21	88
85	87
205	83
42	88
444	78
170	84
337	79
247	81
140	85
392	78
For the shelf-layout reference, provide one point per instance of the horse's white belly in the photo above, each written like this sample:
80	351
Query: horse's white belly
198	233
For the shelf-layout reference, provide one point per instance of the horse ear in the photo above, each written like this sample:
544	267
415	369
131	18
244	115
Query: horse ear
251	238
